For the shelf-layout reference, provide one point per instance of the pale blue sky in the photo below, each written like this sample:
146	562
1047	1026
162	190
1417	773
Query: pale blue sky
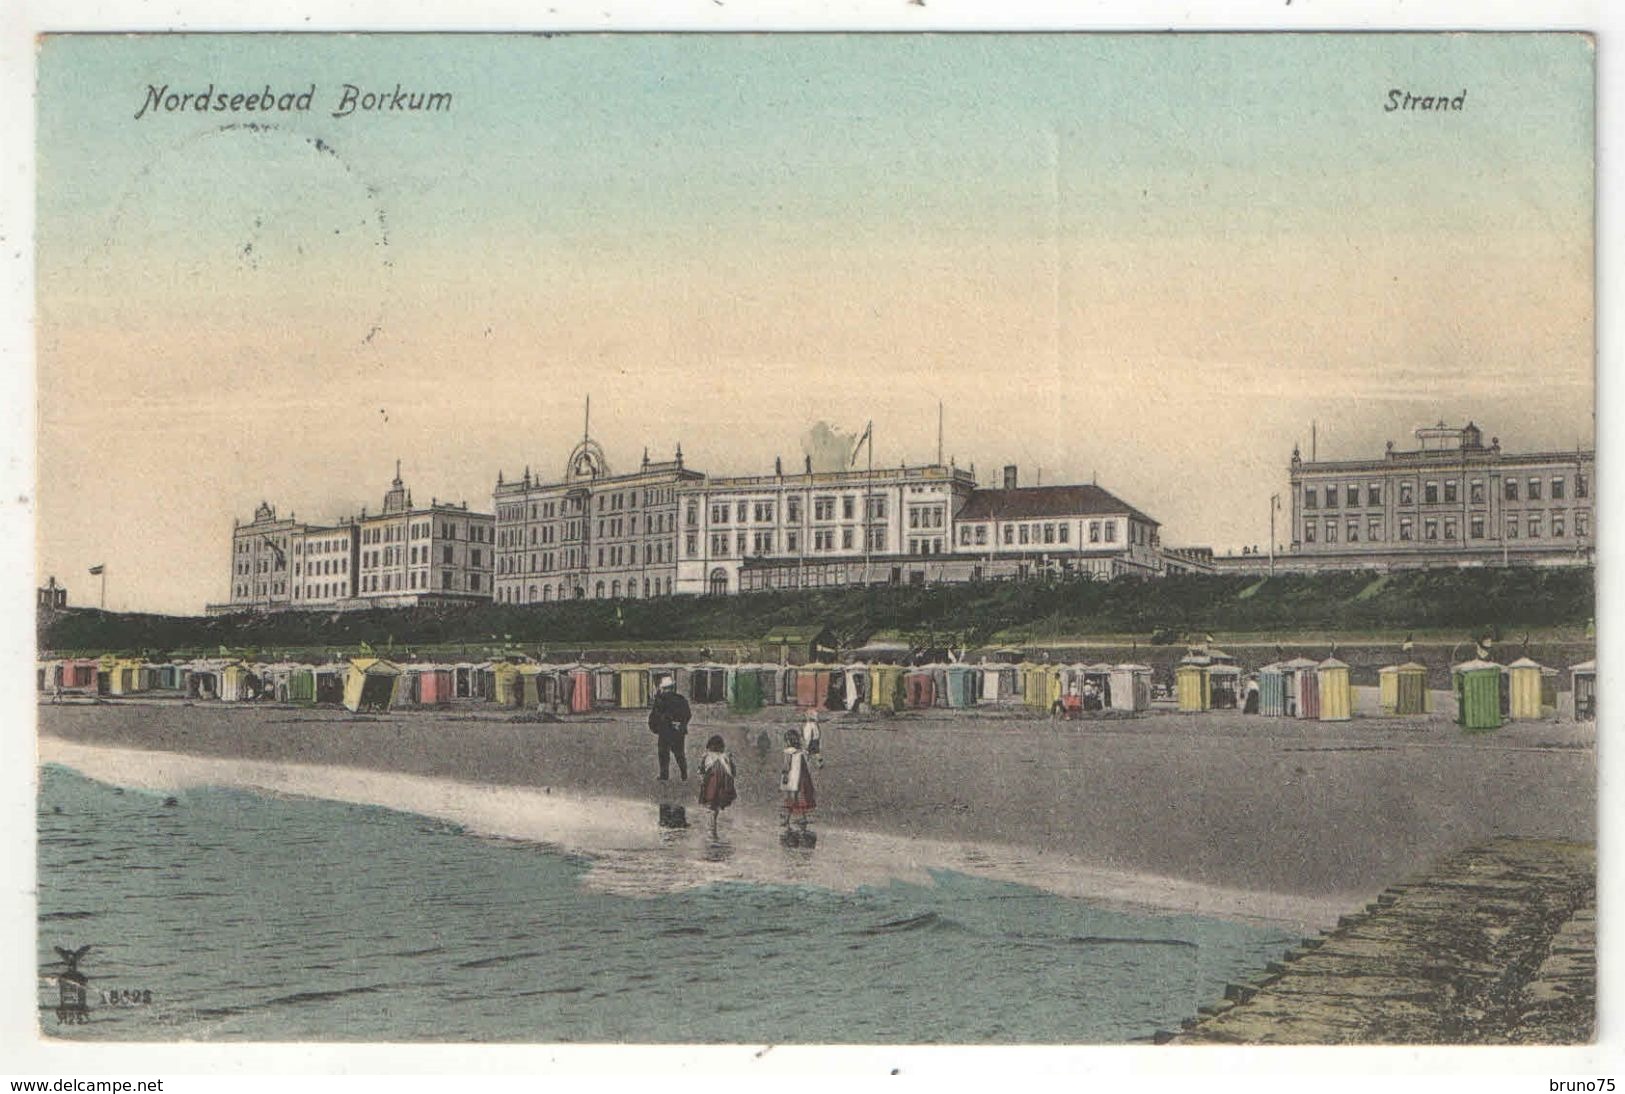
1151	257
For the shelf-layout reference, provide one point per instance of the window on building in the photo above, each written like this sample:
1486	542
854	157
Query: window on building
1309	531
1534	489
1558	525
719	544
1094	531
1430	493
1009	535
1351	496
877	507
1407	493
824	508
877	538
1311	498
1558	486
964	535
445	579
1511	489
792	541
1582	524
1331	531
1049	533
739	542
1450	490
1534	525
1331	497
1450	528
849	507
1373	493
1025	533
1430	529
1475	491
1582	487
1353	531
1475	527
1373	530
1064	532
1111	531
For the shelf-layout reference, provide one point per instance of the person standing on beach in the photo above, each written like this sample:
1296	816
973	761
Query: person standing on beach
668	721
797	784
717	774
810	737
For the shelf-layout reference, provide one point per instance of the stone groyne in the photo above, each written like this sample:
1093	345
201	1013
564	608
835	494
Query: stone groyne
1495	945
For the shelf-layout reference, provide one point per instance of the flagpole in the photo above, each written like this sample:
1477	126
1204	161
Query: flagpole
868	485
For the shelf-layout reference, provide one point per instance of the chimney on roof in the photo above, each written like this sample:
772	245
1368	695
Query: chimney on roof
778	466
1009	476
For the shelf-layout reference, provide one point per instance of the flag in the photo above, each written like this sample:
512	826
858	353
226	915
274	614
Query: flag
1408	644
867	437
99	568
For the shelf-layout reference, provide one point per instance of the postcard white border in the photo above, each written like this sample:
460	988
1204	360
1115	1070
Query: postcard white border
24	1055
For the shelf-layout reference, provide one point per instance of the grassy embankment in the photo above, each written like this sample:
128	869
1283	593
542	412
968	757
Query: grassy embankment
1437	607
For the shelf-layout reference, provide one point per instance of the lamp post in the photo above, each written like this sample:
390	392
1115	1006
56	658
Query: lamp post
1275	503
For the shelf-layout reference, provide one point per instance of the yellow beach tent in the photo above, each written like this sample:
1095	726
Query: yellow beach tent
1336	694
1524	678
369	684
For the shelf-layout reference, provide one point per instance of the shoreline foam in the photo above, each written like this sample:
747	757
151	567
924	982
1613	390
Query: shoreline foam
630	856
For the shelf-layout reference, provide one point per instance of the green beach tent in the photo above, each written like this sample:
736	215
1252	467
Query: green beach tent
1477	686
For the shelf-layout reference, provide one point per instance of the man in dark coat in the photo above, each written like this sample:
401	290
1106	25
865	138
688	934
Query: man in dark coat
668	721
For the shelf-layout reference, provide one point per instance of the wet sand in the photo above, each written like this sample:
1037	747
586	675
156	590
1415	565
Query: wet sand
1325	812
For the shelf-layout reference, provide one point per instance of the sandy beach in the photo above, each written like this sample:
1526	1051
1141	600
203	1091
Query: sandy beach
1224	813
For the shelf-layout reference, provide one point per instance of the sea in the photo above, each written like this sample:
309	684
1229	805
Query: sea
215	913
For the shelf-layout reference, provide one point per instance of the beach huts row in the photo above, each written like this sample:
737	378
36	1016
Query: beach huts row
1485	693
374	683
1488	694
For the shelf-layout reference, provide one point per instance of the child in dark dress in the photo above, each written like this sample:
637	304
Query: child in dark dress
717	774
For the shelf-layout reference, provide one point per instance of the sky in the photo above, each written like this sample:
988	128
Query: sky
1150	260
